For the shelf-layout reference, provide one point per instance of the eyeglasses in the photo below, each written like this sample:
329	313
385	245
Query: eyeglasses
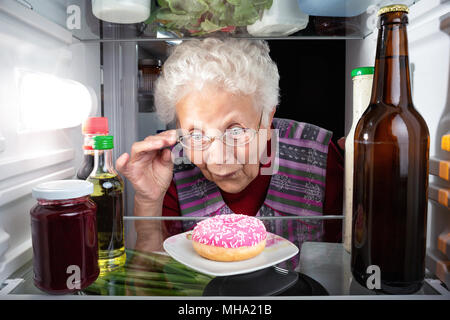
233	137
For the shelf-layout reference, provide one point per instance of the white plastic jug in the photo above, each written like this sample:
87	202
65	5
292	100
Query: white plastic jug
282	19
335	8
121	11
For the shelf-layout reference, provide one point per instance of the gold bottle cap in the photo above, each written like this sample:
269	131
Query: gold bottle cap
393	8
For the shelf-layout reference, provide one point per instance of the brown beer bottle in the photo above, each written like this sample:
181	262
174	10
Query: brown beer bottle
391	152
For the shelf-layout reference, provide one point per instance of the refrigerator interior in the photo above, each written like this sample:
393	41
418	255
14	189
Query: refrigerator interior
35	38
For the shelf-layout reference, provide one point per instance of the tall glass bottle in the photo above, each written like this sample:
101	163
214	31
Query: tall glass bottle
390	188
108	195
92	127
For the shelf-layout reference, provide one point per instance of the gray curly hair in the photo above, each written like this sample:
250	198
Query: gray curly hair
239	66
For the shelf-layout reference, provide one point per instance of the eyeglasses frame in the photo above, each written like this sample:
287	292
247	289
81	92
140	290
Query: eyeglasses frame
221	137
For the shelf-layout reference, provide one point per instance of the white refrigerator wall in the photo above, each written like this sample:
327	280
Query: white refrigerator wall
429	53
31	42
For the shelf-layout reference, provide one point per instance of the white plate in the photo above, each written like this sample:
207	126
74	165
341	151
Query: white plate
277	250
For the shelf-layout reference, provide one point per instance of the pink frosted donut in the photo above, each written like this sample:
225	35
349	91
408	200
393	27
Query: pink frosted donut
229	237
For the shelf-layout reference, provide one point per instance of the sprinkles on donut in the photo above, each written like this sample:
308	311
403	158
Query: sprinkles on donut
230	237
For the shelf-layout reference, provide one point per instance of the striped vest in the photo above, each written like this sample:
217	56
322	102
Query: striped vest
296	189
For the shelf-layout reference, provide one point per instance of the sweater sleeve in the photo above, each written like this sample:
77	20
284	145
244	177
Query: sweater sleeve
334	191
171	208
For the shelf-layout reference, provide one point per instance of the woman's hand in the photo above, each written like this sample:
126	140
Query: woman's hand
341	143
149	168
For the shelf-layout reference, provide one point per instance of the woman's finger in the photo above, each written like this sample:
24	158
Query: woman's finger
148	146
168	140
121	162
171	134
166	155
341	143
144	147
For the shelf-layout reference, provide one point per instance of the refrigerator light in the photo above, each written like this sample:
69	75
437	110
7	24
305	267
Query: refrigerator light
48	102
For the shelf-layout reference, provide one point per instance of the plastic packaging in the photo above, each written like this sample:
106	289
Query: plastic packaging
121	11
334	8
64	236
362	89
282	19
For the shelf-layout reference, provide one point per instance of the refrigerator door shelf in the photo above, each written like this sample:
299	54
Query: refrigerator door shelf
2	143
9	285
14	258
4	241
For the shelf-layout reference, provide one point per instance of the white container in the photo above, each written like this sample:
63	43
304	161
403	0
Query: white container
121	11
362	89
282	19
334	8
62	189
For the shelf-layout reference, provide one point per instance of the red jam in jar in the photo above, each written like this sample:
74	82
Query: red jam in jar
64	236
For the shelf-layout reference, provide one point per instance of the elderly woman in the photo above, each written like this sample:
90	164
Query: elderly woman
223	93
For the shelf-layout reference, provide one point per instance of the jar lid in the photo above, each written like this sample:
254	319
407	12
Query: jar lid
103	142
393	8
62	189
362	71
95	125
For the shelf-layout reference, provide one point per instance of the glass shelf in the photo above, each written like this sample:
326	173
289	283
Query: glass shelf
93	30
150	272
325	263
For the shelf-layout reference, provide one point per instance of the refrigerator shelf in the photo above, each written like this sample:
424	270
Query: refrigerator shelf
438	264
439	195
326	263
440	168
89	28
444	244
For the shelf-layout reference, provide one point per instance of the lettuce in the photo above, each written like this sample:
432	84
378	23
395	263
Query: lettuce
200	17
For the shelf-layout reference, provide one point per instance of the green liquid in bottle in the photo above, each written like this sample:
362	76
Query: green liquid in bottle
108	195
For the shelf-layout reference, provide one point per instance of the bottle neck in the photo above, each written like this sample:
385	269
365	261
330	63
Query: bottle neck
88	152
88	143
103	162
391	83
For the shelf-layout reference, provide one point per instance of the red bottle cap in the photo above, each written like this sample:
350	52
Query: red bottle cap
95	125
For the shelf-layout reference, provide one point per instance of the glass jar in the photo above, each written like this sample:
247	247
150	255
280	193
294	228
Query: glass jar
64	236
149	70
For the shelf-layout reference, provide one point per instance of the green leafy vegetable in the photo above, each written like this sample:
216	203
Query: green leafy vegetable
150	274
199	17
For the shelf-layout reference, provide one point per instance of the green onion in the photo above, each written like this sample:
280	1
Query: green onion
150	274
122	290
